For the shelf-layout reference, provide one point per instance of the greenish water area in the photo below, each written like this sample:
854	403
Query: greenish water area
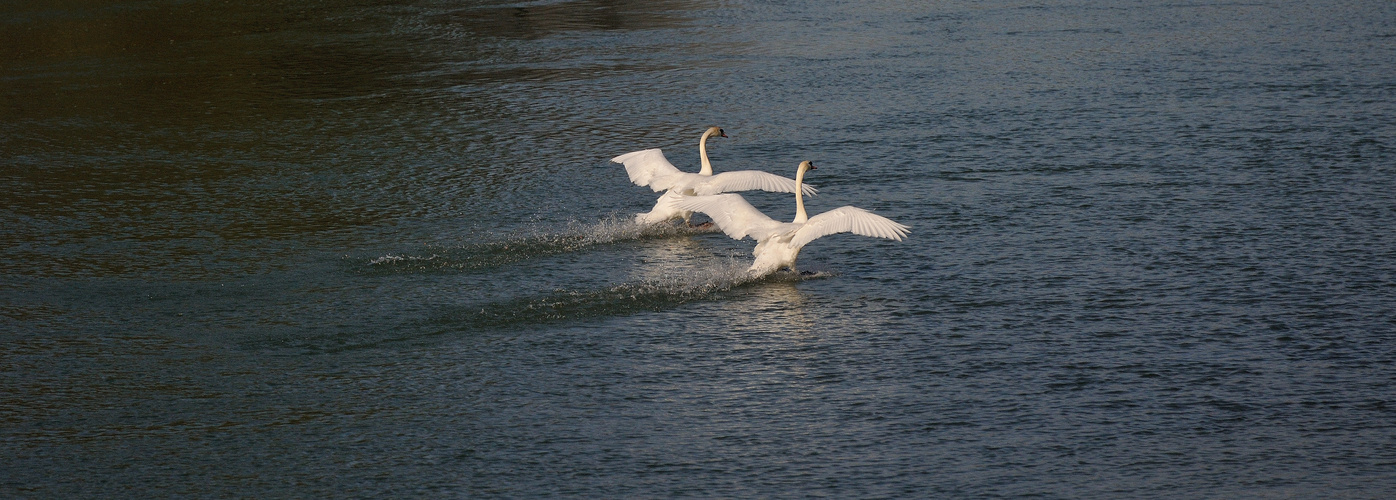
377	249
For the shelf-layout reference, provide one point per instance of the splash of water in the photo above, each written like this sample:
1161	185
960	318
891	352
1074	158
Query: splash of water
532	242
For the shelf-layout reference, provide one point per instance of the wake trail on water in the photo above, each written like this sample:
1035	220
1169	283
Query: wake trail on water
680	287
532	242
717	281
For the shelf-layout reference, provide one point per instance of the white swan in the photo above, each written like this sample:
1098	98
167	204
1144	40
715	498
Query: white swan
650	168
779	243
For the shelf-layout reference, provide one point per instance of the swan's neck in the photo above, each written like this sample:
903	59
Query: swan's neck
703	153
800	215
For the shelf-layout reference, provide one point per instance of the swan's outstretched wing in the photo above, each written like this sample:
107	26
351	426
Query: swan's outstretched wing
848	220
732	214
747	180
649	168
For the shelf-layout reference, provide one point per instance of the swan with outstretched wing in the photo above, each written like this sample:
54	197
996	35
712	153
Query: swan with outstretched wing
778	244
651	169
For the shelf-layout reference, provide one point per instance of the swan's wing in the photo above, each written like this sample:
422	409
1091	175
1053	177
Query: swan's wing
849	220
747	180
732	214
648	168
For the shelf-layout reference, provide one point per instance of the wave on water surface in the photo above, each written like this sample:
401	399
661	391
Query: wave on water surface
713	282
533	242
705	283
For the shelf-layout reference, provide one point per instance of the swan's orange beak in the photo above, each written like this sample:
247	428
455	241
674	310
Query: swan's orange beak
720	133
811	166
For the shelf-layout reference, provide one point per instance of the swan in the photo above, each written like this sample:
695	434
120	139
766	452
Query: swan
650	168
779	243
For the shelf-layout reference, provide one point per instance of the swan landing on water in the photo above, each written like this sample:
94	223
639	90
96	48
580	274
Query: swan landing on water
778	244
651	169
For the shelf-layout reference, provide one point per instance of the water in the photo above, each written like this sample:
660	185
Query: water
355	249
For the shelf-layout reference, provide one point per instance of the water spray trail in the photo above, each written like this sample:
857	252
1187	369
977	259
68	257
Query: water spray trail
529	243
708	283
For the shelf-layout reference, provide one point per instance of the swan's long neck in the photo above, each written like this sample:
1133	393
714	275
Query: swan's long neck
800	216
703	153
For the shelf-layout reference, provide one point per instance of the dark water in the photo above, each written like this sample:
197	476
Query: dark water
372	249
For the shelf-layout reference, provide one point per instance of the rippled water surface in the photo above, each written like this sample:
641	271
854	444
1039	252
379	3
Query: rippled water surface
375	249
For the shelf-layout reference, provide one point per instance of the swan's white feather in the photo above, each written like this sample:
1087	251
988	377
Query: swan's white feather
849	219
664	209
649	168
746	180
737	218
778	244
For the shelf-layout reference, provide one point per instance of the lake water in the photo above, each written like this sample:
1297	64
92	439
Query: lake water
375	249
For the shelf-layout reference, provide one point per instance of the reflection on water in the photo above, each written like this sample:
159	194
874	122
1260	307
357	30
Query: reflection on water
665	257
772	305
776	307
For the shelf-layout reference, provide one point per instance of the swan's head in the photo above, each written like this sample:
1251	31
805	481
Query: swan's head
806	166
715	132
